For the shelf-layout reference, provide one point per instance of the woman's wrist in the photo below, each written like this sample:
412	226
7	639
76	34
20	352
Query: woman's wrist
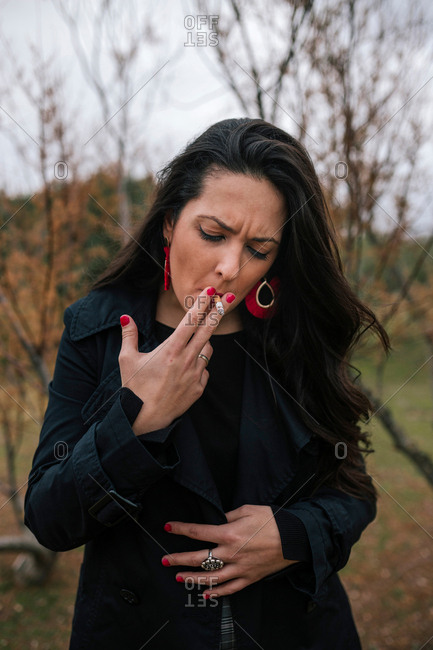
139	418
147	421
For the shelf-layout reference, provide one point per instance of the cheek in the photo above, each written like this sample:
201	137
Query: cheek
189	255
253	275
187	264
180	252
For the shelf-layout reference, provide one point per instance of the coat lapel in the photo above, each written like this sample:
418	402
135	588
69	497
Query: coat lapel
193	470
268	447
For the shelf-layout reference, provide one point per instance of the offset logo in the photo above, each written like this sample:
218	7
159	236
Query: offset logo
189	584
201	31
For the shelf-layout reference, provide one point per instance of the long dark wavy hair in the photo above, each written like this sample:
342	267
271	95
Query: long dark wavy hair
318	320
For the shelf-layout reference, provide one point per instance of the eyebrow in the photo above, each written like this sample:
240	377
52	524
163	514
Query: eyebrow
226	227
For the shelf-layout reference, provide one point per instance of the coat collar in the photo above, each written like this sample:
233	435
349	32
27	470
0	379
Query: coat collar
271	435
102	309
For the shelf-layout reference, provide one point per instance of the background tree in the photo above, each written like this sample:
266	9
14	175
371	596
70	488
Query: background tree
336	75
114	58
54	243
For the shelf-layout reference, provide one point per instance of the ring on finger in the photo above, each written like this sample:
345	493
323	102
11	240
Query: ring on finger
204	357
212	563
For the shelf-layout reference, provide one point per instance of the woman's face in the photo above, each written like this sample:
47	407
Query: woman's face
228	238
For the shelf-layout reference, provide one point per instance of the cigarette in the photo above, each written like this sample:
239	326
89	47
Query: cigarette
219	306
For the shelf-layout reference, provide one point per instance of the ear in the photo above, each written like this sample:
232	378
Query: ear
167	227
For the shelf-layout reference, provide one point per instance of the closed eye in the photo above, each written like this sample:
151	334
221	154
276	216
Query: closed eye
216	238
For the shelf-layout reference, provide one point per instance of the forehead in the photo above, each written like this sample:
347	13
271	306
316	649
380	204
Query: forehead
241	201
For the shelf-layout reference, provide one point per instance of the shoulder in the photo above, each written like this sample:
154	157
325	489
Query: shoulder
102	308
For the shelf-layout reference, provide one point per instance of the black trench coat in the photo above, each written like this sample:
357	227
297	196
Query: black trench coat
94	483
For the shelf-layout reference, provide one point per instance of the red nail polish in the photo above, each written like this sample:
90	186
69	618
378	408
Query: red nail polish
124	320
180	579
165	561
211	291
230	297
206	596
167	527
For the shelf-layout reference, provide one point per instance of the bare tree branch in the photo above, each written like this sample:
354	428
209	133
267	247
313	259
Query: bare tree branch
34	356
401	440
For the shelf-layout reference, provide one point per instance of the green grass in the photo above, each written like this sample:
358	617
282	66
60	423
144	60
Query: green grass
408	393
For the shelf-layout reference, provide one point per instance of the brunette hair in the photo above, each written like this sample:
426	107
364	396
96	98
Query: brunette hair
318	319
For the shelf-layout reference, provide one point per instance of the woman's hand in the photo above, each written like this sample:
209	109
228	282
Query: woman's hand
171	377
249	545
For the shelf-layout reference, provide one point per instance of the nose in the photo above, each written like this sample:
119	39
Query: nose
228	263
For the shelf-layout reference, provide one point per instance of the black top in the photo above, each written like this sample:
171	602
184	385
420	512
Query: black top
220	407
216	415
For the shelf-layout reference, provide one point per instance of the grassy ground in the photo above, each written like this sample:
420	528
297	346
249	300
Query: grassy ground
390	573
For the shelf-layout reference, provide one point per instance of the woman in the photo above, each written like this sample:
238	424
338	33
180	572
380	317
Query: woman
214	468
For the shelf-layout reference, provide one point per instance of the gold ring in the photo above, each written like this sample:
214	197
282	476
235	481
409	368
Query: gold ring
203	356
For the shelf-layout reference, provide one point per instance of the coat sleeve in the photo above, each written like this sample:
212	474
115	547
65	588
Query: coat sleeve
86	478
333	521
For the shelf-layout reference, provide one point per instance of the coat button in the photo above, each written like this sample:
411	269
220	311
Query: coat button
310	606
129	596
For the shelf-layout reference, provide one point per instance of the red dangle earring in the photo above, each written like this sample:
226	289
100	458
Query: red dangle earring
166	265
254	301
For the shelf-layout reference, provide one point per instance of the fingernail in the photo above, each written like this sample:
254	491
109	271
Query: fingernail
207	596
165	561
211	291
180	579
167	527
124	320
230	297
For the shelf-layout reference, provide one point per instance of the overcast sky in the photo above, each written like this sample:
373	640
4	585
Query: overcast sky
189	95
184	81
